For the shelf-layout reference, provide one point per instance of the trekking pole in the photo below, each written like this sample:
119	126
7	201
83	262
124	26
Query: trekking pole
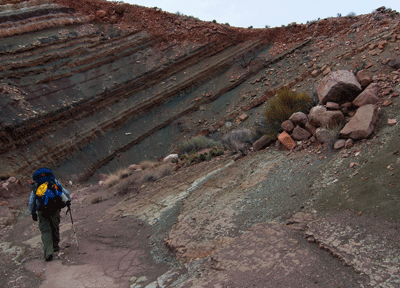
73	227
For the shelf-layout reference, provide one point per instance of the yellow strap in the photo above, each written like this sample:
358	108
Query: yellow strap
41	190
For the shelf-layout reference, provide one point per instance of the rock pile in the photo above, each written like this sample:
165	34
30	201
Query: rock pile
347	110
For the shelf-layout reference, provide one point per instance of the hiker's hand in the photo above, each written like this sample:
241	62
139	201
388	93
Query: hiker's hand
34	217
68	204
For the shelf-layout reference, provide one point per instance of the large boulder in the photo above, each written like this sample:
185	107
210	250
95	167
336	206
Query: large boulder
362	124
368	96
338	86
321	117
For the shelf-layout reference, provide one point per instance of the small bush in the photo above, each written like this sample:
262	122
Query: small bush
197	143
117	176
112	180
158	172
351	14
334	134
280	107
96	200
144	165
238	140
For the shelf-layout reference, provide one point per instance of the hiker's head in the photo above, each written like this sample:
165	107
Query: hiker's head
43	175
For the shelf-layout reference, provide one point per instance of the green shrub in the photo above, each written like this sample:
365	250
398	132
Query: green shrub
197	143
280	107
215	152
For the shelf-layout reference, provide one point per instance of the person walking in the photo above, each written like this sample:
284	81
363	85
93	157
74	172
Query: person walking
47	199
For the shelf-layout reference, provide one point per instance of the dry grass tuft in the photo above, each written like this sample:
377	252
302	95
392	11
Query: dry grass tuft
148	165
96	200
158	172
126	181
117	177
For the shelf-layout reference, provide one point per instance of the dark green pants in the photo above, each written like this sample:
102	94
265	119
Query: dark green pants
49	226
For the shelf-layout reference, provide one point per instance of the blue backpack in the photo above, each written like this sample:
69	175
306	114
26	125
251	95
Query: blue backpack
49	193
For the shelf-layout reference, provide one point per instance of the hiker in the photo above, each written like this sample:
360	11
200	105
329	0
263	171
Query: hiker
47	199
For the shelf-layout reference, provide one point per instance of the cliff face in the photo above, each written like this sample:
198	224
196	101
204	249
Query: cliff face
90	86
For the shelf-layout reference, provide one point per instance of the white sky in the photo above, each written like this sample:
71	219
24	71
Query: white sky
258	13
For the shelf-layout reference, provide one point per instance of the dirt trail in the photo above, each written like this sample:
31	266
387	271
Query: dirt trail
270	219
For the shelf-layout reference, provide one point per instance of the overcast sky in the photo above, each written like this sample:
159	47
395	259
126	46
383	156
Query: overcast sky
259	13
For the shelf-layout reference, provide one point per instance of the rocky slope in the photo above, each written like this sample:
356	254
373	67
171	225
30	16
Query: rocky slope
88	87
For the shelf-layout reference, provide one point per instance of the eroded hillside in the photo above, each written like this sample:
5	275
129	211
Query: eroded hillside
92	86
88	87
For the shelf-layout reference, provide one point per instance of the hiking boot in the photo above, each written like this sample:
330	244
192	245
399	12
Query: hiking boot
49	258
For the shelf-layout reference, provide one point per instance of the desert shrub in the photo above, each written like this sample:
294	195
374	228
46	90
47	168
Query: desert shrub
96	200
334	133
129	184
112	180
192	158
351	14
117	176
280	107
215	152
144	165
158	172
197	143
238	140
